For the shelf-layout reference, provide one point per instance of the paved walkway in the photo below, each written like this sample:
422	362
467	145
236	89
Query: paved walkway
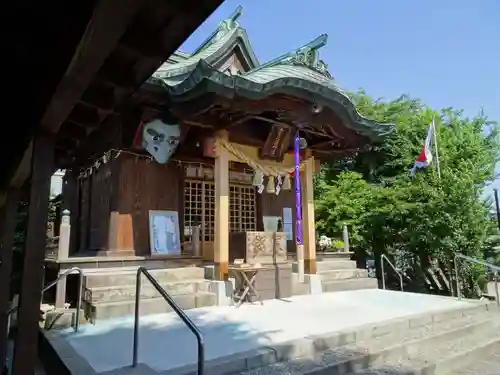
166	344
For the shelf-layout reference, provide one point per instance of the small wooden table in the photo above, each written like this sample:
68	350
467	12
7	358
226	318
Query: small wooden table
245	278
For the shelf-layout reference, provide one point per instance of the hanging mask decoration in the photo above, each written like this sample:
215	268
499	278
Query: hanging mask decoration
287	185
270	185
160	139
279	183
258	181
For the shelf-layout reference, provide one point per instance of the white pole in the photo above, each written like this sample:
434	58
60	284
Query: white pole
436	147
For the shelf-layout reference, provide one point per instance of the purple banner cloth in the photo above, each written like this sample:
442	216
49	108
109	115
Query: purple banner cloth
298	202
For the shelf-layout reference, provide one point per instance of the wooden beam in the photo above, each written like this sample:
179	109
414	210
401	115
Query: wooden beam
109	22
7	228
31	283
85	116
99	96
109	135
24	169
284	124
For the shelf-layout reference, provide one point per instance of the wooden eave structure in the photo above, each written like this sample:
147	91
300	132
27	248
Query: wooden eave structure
90	58
293	91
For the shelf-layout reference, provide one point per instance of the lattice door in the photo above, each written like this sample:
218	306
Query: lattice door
208	212
199	208
242	210
193	210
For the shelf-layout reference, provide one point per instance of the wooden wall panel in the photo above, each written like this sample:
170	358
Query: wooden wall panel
84	211
144	186
100	192
234	58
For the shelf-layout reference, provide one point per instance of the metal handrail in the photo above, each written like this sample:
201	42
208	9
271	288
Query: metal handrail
398	272
496	270
47	287
178	311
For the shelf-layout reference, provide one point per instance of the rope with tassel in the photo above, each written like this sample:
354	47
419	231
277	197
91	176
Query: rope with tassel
268	170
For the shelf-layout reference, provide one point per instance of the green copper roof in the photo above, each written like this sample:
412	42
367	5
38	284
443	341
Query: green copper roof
300	73
212	49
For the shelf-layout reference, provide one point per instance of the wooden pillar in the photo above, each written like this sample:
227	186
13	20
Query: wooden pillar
308	222
221	243
7	227
25	351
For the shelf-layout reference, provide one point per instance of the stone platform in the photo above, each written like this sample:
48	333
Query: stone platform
299	327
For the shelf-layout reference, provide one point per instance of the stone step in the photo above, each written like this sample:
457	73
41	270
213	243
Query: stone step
400	347
127	292
354	273
148	306
341	353
128	277
485	365
443	359
349	284
329	265
333	255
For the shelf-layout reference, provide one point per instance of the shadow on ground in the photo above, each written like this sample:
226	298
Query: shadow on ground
107	348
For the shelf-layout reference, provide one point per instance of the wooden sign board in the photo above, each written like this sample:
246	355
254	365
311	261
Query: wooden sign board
276	143
164	232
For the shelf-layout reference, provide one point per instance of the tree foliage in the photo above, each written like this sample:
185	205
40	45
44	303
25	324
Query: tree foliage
421	218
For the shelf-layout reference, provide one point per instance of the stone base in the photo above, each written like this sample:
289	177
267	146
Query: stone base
272	281
223	291
311	285
314	283
115	253
62	319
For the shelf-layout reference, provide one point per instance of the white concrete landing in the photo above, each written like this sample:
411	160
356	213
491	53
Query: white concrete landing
165	343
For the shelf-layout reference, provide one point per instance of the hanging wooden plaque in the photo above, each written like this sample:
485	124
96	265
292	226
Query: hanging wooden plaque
276	143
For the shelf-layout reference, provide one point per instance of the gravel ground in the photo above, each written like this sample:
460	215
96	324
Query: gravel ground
394	365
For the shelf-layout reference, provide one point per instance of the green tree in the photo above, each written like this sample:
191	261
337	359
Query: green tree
421	218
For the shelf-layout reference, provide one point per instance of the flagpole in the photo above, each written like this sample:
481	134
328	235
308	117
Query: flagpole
436	147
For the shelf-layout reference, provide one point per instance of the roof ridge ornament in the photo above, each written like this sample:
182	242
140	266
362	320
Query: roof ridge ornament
229	24
307	55
225	27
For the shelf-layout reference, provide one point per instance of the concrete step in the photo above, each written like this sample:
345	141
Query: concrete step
443	342
108	310
127	292
128	277
349	284
354	273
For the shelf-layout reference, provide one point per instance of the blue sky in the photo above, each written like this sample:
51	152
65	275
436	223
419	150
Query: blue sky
445	52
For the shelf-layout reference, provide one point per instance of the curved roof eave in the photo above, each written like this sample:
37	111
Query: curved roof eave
294	80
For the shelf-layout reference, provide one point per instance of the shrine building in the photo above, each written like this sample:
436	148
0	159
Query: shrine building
199	171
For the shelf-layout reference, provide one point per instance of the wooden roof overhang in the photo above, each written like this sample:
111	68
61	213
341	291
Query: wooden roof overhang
110	48
256	105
